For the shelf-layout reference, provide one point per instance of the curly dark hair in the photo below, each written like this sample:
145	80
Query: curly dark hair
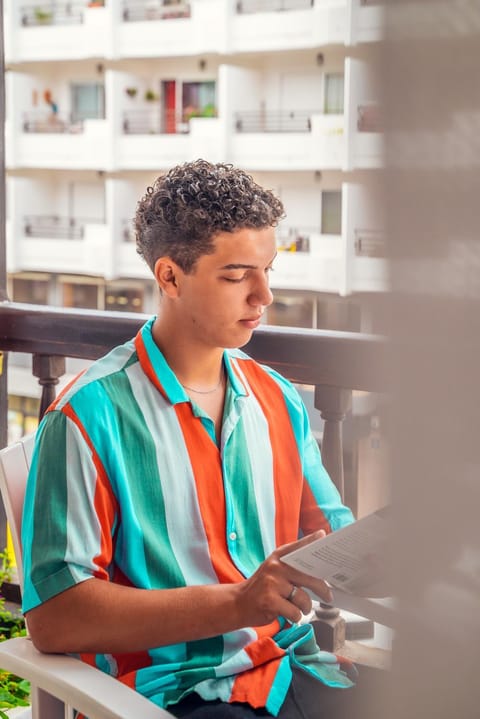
187	207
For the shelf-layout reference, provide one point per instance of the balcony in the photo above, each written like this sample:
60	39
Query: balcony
58	14
147	28
51	243
57	31
41	122
280	121
254	6
299	140
260	25
54	227
154	122
150	141
60	142
143	10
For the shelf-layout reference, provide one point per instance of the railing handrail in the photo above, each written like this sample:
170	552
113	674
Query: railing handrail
244	7
138	10
317	357
274	120
67	13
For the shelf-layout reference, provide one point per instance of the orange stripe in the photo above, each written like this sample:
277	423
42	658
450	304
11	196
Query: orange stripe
207	470
312	517
106	505
254	685
287	469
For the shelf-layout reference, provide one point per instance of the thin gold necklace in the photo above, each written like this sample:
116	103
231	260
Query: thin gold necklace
205	391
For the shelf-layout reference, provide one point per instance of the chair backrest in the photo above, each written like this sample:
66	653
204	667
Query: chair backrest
14	465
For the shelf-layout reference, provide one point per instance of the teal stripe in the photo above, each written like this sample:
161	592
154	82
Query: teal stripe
142	501
50	574
280	686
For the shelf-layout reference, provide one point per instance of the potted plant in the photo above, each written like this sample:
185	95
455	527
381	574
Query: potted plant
43	16
150	95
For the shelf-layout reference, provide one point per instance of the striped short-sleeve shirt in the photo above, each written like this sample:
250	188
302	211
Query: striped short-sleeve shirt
128	484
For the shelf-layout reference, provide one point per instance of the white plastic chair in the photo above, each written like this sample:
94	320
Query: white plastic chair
60	684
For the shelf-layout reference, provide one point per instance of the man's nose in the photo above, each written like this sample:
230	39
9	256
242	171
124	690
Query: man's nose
262	294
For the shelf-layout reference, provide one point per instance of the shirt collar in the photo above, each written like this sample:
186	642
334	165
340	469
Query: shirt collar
158	371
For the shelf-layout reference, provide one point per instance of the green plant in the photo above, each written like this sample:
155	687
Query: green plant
150	96
14	691
131	91
42	15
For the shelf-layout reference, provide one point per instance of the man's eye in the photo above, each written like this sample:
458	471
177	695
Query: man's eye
234	279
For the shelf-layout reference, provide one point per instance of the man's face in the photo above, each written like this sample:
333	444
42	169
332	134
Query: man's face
221	301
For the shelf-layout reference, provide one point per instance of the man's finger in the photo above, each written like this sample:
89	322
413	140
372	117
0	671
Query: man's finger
292	546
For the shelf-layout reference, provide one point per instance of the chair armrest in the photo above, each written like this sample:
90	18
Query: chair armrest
89	690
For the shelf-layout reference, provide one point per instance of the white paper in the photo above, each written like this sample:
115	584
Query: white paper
352	559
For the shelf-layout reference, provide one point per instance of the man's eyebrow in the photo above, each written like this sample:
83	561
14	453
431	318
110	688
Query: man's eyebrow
240	266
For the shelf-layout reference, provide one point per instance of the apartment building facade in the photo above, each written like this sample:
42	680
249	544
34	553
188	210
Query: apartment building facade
102	96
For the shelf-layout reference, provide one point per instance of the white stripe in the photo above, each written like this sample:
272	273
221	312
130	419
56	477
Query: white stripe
260	457
188	539
83	526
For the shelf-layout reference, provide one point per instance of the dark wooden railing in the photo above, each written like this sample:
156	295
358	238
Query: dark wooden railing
334	362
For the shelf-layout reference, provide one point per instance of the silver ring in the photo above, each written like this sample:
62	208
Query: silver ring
292	594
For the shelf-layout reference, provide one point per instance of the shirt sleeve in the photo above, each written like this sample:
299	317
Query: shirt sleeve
69	513
321	507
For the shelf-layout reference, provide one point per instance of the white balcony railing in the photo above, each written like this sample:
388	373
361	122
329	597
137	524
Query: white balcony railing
69	13
255	6
141	10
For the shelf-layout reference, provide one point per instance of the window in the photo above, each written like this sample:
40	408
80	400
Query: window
331	213
77	294
334	94
88	101
124	299
198	99
22	416
31	291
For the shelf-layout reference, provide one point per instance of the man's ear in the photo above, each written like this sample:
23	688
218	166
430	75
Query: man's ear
166	274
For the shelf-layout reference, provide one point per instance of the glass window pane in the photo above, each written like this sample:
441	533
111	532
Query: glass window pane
82	296
124	299
334	94
87	102
34	292
331	213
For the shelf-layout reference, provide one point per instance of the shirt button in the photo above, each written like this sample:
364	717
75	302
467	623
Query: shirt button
232	535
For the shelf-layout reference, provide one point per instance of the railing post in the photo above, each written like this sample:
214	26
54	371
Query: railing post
48	369
333	404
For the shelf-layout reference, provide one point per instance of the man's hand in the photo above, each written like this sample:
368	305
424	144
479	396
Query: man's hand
276	589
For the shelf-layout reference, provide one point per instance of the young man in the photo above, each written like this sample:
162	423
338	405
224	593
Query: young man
169	479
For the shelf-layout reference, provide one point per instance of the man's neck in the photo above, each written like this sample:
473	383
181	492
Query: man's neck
193	363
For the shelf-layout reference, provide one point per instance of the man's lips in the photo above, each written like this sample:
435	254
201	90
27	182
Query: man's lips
251	323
